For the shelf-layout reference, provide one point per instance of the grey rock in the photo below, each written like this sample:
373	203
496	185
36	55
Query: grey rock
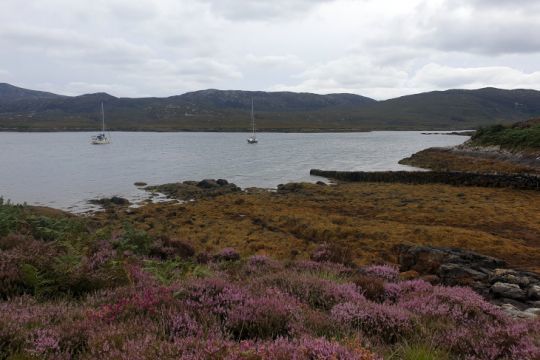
511	291
514	312
534	292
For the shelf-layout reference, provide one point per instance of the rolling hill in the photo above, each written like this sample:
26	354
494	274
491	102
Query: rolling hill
228	110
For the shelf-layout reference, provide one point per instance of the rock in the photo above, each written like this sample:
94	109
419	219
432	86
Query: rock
514	312
107	202
534	292
222	182
207	184
534	311
321	183
511	291
457	274
509	276
140	183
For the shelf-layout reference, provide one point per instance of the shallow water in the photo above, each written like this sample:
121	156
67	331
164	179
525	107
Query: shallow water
63	170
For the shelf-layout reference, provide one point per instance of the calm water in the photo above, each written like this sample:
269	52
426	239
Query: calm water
63	170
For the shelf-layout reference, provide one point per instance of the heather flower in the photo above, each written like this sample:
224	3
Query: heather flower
511	341
386	321
267	316
394	291
314	291
212	295
227	254
386	272
459	304
44	341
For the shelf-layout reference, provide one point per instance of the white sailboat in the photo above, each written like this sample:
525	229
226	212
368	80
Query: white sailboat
101	138
252	139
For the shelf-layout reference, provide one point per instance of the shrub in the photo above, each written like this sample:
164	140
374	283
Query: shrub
373	288
511	341
227	254
459	304
314	291
386	272
9	217
134	240
388	322
166	248
267	316
332	253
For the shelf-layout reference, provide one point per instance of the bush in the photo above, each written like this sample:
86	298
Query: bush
9	217
312	290
386	272
134	240
227	254
388	322
267	316
373	288
166	248
332	253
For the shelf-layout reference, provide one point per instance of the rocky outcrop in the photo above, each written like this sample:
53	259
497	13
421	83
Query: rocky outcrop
518	292
517	181
112	201
188	190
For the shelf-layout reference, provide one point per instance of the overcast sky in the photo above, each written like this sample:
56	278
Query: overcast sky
376	48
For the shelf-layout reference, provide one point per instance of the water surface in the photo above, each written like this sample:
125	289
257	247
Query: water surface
63	170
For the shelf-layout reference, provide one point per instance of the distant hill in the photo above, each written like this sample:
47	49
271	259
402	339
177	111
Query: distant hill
228	110
10	94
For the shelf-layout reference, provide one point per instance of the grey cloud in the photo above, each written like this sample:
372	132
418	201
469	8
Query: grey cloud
262	9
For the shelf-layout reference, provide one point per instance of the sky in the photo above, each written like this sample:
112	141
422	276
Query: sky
376	48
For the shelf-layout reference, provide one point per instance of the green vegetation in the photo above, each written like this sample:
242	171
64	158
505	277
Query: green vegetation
516	137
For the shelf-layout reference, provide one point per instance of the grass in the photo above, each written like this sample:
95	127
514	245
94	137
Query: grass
368	219
437	159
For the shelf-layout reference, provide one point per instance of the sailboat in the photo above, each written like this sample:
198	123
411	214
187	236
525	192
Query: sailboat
101	138
252	139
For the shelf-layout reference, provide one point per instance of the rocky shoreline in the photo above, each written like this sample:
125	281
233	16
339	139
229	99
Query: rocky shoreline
516	292
516	181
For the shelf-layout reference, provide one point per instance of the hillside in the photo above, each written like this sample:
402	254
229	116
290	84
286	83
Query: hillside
214	110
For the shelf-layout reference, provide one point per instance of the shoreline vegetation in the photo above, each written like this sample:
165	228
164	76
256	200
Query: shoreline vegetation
496	149
353	270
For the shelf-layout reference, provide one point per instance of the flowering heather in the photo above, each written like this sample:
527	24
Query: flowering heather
386	272
394	291
227	254
262	264
314	291
69	294
388	322
459	304
266	316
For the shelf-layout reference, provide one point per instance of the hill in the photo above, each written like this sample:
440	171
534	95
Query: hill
228	110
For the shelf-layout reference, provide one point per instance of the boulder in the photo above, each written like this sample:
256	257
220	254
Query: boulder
208	184
507	290
514	312
534	292
458	274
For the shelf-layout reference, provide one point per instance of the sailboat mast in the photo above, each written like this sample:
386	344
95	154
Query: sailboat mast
252	118
102	118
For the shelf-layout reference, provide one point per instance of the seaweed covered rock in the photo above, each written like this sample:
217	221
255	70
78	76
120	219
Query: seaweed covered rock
188	190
